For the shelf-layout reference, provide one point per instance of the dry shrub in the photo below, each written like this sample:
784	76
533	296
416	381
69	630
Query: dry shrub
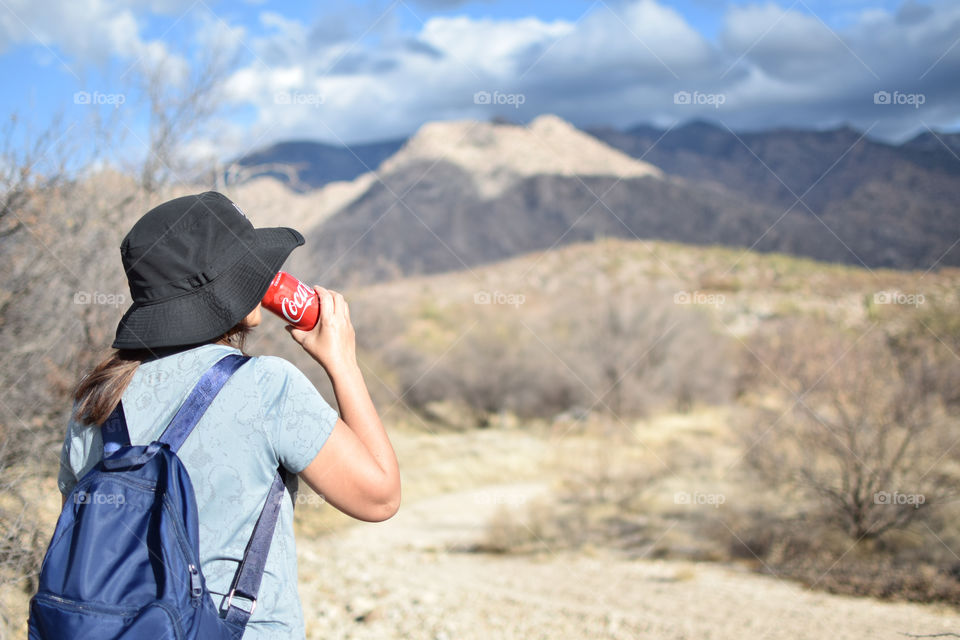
623	353
530	530
865	432
861	448
62	293
904	565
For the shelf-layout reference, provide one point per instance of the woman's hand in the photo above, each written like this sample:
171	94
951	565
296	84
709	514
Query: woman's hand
332	342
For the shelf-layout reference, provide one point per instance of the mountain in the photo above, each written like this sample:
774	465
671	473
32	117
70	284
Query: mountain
890	206
460	194
938	150
498	155
774	166
304	165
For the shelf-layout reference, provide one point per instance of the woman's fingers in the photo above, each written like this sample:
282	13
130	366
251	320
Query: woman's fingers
339	303
298	334
332	341
327	305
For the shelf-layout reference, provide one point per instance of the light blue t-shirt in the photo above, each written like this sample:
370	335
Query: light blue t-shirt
267	413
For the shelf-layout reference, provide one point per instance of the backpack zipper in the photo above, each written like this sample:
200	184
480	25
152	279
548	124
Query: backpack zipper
196	587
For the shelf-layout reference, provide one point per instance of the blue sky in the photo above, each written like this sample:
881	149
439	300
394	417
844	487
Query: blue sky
355	72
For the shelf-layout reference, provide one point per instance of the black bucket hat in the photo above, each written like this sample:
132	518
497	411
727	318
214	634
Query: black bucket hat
196	267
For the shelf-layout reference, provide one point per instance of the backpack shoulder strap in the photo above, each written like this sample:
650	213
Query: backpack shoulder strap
246	581
114	431
200	399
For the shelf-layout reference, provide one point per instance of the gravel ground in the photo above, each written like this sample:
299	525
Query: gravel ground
401	579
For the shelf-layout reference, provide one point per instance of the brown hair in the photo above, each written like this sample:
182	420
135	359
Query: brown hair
99	392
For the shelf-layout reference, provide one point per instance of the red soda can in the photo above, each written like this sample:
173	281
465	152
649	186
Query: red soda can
293	301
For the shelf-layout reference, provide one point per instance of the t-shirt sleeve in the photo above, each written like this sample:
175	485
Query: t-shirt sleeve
297	418
82	450
66	480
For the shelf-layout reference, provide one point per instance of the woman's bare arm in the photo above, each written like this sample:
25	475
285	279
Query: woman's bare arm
356	470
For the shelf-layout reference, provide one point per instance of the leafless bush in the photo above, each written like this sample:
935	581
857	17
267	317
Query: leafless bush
62	291
619	354
180	110
931	336
639	351
865	433
913	566
495	366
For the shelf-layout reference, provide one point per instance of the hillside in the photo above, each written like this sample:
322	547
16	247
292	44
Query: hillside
750	288
459	194
889	206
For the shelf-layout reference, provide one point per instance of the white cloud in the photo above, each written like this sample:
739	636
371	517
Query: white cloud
784	43
490	47
79	33
620	64
598	65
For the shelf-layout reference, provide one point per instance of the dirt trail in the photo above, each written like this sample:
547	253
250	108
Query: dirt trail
399	580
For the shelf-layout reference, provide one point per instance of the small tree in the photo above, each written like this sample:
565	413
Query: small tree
180	111
866	433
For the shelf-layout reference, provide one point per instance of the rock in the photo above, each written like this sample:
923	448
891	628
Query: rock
361	608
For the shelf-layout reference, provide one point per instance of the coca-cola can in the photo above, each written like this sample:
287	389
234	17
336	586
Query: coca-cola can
293	301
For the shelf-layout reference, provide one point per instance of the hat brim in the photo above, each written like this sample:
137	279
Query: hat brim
216	307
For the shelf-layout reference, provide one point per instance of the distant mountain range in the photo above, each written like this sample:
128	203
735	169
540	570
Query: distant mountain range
463	193
303	165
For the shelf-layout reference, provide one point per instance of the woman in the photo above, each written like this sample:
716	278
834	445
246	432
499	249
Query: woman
197	270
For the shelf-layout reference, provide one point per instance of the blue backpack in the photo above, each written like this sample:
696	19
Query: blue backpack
124	563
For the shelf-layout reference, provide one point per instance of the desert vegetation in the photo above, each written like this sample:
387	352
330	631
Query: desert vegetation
617	353
833	462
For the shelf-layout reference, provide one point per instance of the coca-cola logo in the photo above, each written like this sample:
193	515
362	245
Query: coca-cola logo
295	308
